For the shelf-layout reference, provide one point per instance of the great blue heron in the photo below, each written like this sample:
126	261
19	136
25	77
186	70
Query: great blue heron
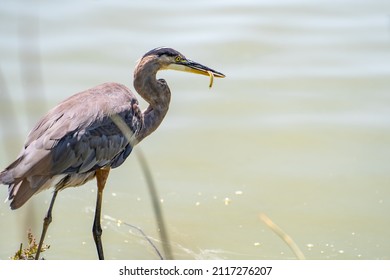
81	139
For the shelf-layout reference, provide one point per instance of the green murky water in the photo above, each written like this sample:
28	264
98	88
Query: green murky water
299	129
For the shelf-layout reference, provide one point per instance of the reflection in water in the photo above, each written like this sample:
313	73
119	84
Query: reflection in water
299	128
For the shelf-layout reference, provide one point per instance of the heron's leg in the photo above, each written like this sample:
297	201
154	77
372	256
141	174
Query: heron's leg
46	223
101	178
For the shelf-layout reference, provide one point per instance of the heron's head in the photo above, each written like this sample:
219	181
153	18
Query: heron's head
168	58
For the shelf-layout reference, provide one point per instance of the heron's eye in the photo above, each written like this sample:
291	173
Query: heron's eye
178	58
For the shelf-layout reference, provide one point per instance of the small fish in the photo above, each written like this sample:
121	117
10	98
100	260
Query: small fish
211	78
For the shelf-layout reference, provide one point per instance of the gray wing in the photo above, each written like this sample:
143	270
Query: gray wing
72	141
99	145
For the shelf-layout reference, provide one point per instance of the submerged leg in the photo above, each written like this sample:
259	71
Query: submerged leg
101	178
46	223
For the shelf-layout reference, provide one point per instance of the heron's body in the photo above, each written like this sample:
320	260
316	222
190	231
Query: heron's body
61	152
79	139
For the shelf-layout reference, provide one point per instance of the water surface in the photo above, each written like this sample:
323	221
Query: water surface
299	129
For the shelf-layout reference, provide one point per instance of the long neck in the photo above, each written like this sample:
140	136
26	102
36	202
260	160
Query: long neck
155	92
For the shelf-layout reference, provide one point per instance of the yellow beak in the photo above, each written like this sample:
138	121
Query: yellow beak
194	67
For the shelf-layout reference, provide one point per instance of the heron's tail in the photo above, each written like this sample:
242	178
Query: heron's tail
6	177
19	191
